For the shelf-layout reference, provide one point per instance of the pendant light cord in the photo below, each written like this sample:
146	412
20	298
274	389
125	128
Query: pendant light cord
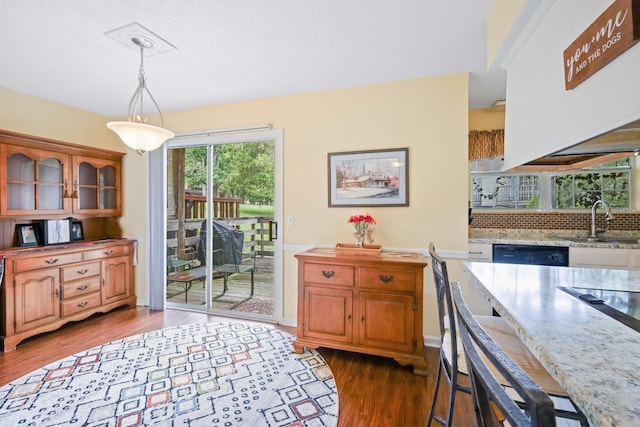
136	102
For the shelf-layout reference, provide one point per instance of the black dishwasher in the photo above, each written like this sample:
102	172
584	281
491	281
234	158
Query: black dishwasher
531	254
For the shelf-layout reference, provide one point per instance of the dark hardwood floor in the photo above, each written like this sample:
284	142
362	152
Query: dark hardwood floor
373	391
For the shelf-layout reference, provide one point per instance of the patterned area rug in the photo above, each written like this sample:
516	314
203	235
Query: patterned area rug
213	374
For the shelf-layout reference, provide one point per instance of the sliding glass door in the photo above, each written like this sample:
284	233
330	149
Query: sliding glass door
222	205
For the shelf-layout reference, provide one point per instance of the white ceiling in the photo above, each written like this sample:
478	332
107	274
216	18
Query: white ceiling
235	50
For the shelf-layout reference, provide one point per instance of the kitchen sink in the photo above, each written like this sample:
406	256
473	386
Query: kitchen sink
610	240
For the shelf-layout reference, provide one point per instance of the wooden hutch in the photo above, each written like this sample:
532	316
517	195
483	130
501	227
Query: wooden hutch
42	286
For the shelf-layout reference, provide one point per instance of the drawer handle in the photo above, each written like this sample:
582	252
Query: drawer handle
328	274
82	304
385	279
108	252
83	271
51	260
82	288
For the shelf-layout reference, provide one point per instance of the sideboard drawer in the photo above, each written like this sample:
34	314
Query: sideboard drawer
107	252
79	304
80	287
26	264
80	271
389	279
342	275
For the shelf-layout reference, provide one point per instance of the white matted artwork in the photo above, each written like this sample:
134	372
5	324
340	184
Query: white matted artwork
369	178
57	231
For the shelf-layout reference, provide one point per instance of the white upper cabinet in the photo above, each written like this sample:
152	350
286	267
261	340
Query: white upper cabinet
543	117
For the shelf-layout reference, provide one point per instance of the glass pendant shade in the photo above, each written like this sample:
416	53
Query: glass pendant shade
139	136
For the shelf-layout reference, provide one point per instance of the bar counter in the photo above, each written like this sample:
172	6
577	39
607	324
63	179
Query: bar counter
593	356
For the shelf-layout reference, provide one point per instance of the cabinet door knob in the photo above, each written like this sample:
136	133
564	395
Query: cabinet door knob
82	288
83	271
108	252
385	279
328	274
51	260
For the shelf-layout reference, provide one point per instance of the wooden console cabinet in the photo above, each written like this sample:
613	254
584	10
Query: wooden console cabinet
46	287
366	304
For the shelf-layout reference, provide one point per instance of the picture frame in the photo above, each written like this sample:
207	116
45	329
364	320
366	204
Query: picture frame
28	234
57	231
369	178
77	232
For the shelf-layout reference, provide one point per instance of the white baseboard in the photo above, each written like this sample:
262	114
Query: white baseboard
288	321
431	341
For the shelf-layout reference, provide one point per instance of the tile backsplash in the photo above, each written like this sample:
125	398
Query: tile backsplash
628	222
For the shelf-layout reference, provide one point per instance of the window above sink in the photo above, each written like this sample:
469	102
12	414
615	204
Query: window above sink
493	189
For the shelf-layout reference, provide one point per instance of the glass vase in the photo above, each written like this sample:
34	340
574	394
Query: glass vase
359	236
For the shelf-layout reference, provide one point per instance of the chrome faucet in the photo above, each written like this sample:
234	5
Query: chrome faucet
608	217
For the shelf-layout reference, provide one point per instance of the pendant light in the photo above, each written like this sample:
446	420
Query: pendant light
135	132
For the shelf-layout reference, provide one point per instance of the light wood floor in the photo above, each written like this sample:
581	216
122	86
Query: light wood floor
373	391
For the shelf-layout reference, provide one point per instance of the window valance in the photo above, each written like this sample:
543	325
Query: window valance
486	144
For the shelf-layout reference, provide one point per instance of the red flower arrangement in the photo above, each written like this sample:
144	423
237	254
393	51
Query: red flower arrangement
362	222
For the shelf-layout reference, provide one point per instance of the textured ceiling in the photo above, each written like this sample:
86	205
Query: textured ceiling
234	50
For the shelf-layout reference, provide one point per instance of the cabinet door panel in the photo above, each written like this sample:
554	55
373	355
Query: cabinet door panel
36	298
115	279
328	314
387	321
97	183
32	181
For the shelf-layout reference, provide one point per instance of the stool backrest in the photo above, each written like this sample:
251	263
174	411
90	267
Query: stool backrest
446	318
537	408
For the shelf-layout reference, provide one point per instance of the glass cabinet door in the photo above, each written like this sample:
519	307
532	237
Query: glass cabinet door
34	181
21	182
96	183
50	185
87	186
108	187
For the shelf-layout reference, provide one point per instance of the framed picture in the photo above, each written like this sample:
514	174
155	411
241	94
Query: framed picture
28	234
369	178
77	233
57	231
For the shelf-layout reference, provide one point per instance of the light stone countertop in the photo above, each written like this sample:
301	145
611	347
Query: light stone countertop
555	241
594	357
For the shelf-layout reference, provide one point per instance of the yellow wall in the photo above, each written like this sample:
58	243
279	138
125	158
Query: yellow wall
430	116
485	119
30	115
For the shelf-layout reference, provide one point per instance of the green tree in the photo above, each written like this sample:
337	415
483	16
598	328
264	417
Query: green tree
244	170
253	172
195	167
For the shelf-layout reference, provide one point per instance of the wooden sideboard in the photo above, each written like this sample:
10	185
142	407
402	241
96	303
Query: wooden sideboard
46	287
366	304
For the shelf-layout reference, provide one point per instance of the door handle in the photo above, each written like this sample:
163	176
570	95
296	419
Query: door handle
273	230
